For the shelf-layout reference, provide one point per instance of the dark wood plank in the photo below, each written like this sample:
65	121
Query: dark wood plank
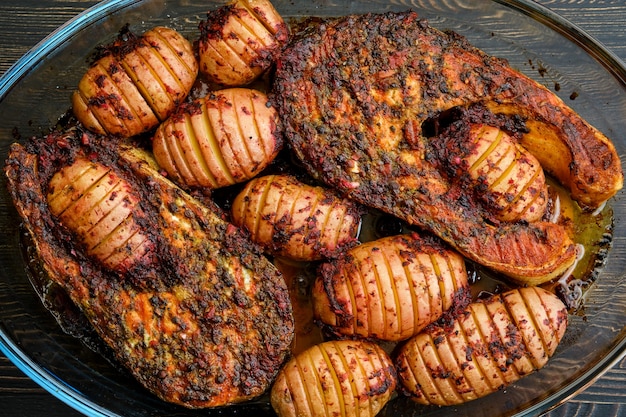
23	23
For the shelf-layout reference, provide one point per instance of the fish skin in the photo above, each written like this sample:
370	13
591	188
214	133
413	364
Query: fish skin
353	94
204	321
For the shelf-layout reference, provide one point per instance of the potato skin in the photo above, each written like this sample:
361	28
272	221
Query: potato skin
289	218
490	345
335	378
136	83
222	139
391	288
239	41
100	208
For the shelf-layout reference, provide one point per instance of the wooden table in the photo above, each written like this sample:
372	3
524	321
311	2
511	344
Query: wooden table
25	22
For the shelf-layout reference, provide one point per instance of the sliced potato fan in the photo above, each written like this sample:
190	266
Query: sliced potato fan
336	378
391	288
239	41
99	207
222	139
490	345
296	220
136	83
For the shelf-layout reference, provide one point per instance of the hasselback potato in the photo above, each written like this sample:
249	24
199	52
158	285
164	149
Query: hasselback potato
222	139
489	346
391	288
508	179
136	83
239	41
335	378
292	219
100	208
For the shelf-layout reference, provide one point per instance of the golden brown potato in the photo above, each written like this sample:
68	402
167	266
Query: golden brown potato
489	346
98	206
337	378
296	220
222	139
509	179
391	288
239	41
136	83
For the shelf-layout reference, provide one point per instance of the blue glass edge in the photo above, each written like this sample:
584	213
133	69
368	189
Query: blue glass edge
22	66
66	394
48	381
39	375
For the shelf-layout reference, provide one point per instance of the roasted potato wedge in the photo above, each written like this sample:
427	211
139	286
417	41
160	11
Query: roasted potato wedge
292	219
391	288
239	41
136	83
490	345
335	378
222	139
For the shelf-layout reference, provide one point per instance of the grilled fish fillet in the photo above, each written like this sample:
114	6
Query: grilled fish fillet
354	93
202	319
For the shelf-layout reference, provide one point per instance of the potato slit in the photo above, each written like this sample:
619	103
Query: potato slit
411	283
258	218
485	342
297	381
524	340
507	170
258	130
327	219
290	211
336	381
110	210
318	385
536	325
214	144
381	294
394	289
338	230
127	250
105	240
365	377
250	31
86	191
244	142
174	149
353	304
177	55
240	165
156	72
70	187
350	383
225	60
113	104
520	193
446	381
434	260
428	275
260	18
301	374
473	356
311	219
489	149
367	310
141	86
197	151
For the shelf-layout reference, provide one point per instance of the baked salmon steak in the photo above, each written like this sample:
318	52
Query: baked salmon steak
188	305
420	124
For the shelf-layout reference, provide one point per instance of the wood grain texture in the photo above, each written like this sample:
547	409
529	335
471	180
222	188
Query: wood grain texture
24	23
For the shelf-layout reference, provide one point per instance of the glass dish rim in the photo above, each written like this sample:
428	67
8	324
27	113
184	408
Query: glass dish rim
59	389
